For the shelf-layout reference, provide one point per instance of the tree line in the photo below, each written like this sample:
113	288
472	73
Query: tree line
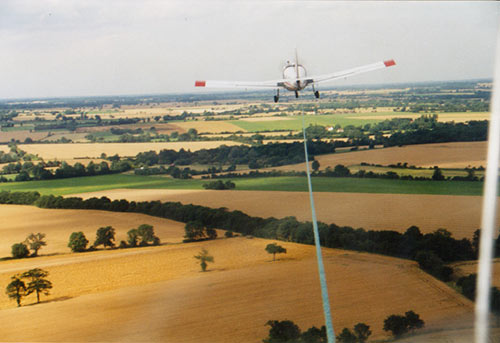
286	331
30	171
269	155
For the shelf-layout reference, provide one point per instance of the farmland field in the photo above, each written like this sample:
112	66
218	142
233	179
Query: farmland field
18	222
344	119
295	122
209	126
163	286
283	183
69	151
458	214
444	155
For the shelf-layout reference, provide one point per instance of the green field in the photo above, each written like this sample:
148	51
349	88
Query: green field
295	122
288	183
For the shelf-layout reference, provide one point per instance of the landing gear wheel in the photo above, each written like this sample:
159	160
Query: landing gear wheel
296	94
276	98
316	94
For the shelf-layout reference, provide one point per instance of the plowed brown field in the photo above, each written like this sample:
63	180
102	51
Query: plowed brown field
19	221
458	214
444	155
158	294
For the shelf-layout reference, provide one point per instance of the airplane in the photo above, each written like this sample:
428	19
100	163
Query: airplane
295	78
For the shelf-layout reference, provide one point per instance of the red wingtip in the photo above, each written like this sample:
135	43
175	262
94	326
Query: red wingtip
199	84
389	63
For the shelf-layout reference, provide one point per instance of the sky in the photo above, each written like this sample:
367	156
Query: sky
58	48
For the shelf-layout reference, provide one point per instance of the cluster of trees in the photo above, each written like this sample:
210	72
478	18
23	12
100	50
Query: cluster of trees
404	131
142	236
359	334
34	242
342	171
219	185
31	281
256	173
72	124
269	155
175	172
286	331
442	132
400	325
196	231
29	171
467	285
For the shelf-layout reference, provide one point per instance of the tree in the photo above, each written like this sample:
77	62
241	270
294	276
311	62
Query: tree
399	325
211	233
282	332
315	165
204	257
314	335
194	230
16	289
38	282
437	175
274	249
346	336
413	321
147	234
105	236
362	332
78	242
396	324
20	250
35	242
133	236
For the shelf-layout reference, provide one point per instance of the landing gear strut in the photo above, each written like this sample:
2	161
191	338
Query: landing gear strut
296	94
277	96
316	93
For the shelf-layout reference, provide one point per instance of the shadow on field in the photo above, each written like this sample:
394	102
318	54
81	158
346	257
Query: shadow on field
50	301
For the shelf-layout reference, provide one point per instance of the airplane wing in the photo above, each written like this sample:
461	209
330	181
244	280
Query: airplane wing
240	84
348	72
276	84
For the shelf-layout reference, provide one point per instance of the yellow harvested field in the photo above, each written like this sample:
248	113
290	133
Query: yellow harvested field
209	126
458	214
444	155
19	221
159	294
94	150
462	117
